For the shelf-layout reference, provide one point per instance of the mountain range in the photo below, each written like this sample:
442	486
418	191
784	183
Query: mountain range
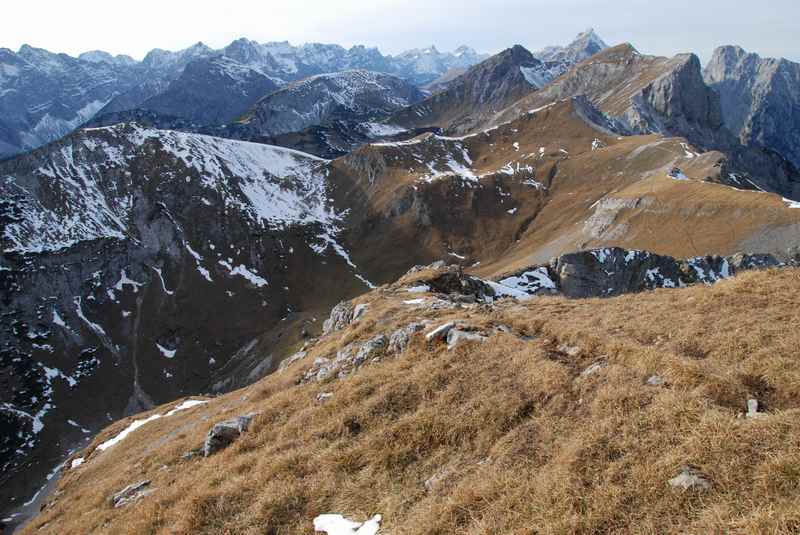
203	225
44	95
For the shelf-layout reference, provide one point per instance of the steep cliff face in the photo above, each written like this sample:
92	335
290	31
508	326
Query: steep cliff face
760	99
678	103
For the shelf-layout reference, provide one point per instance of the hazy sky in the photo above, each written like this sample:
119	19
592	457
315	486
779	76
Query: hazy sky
769	27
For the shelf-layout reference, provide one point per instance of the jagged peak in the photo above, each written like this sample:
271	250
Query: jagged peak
591	34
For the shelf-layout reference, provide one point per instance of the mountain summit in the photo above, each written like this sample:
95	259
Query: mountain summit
585	45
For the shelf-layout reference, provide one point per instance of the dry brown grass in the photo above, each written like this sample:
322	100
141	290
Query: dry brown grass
521	443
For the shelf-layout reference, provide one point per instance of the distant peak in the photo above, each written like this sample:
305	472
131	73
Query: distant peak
591	36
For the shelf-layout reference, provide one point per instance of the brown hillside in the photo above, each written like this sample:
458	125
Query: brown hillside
547	183
555	425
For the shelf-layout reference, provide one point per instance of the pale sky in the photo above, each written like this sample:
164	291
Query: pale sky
769	27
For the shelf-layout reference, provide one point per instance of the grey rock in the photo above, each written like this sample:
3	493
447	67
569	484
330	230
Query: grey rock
341	316
400	339
691	478
593	369
457	337
223	434
371	349
131	493
440	332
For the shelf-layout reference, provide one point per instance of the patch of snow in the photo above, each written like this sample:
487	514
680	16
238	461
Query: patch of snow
244	272
339	525
377	130
422	288
136	424
169	353
125	281
791	203
163	284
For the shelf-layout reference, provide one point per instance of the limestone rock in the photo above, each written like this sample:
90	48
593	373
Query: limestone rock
372	348
400	339
131	493
223	434
440	332
690	478
341	316
456	337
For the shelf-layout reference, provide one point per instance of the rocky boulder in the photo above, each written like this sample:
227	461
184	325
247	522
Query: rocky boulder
341	316
223	434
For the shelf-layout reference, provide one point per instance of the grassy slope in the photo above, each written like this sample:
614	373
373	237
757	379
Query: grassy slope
521	442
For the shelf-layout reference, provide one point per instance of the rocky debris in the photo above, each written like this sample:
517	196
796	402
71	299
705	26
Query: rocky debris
655	380
373	348
341	316
456	337
615	271
324	396
131	493
347	360
690	478
400	339
223	434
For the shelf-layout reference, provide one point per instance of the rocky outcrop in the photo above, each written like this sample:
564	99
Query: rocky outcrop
678	103
223	434
614	271
690	478
760	99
